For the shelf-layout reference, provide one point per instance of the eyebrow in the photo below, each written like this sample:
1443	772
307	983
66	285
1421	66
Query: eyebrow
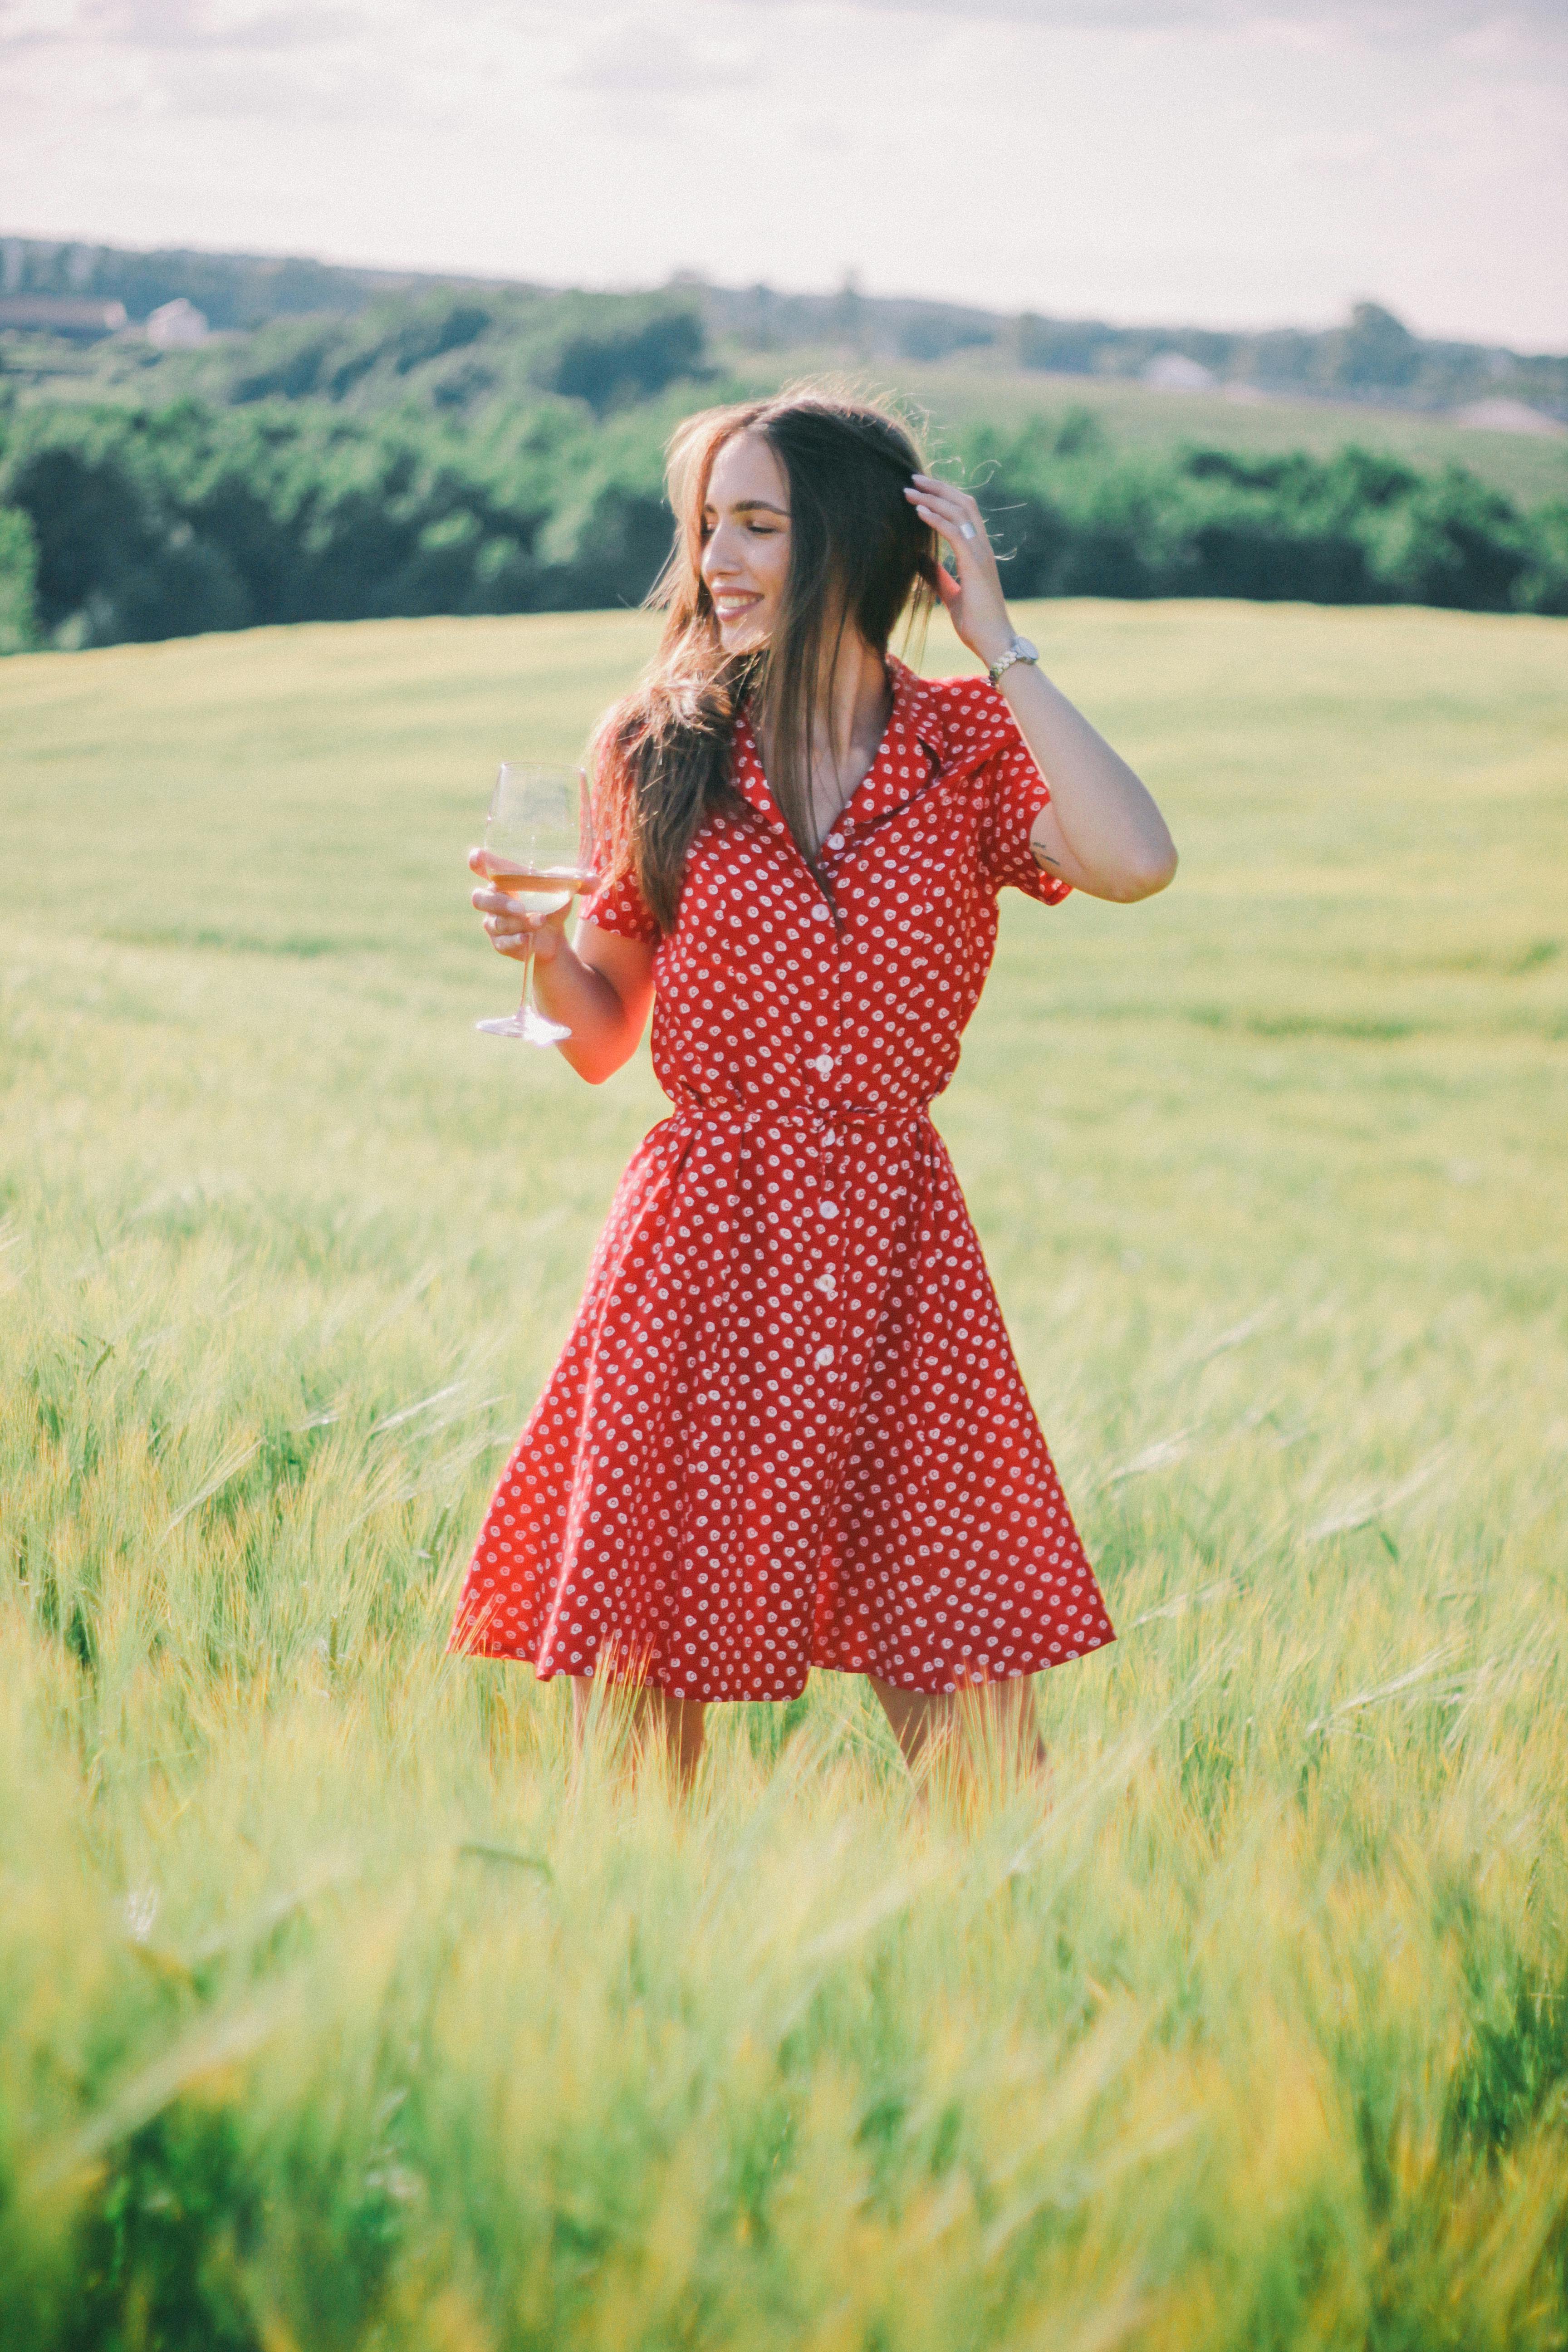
753	506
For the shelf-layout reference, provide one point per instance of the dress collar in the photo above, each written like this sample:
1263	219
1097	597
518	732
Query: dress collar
748	777
911	753
915	703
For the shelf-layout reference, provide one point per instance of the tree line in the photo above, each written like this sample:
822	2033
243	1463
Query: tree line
454	456
1072	518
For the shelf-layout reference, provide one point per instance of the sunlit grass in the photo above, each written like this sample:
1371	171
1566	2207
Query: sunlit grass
340	2008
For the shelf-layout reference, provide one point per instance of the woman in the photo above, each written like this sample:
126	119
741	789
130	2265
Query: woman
788	1430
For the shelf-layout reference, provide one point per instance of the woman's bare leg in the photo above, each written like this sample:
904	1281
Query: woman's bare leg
678	1722
1002	1714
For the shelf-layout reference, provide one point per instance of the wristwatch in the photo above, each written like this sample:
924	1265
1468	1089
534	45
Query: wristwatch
1019	650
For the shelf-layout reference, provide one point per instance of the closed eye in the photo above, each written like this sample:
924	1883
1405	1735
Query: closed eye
751	513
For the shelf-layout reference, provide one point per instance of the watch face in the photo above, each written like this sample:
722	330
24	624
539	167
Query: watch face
1029	652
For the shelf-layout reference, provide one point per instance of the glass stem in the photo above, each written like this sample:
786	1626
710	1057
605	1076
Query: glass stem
528	1004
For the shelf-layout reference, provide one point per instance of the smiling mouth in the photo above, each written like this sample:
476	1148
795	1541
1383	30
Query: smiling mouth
727	607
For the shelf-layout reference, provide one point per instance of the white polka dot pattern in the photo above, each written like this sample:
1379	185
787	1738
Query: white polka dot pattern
787	1429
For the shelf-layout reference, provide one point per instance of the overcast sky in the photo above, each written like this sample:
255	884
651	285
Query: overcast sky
1232	161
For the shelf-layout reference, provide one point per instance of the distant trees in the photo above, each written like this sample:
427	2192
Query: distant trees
628	364
933	334
448	453
1376	352
141	526
1373	357
449	350
18	576
465	451
1357	529
329	358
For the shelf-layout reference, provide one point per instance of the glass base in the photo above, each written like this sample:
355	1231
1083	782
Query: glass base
525	1023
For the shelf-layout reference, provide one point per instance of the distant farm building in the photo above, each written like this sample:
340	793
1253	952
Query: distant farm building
1508	416
84	321
1173	372
176	326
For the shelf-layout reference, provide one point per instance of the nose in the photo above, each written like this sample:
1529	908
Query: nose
721	557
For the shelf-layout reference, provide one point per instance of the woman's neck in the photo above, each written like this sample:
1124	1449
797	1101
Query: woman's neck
855	705
850	720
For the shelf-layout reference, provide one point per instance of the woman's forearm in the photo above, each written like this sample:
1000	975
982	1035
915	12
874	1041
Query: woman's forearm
605	1027
598	987
1102	831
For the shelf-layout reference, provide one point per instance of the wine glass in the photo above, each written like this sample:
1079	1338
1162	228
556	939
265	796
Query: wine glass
538	848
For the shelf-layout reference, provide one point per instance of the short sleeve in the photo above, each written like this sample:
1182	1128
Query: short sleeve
1015	793
621	907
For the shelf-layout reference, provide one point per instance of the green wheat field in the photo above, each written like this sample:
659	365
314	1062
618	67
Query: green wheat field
340	2009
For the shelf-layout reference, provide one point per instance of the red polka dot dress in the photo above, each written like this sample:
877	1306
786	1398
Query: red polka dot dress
787	1429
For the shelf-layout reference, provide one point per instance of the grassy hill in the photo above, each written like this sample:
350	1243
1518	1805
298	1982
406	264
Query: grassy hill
338	2010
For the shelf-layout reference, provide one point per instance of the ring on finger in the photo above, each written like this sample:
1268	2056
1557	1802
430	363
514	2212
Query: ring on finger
966	530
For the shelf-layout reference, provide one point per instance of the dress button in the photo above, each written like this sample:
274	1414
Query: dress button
822	1066
824	1357
836	841
820	915
828	1208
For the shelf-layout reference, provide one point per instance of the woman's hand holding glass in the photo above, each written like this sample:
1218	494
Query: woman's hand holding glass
538	854
507	928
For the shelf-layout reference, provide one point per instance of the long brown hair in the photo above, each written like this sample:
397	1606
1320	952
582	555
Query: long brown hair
860	557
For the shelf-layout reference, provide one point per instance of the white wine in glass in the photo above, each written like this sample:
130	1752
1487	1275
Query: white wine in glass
538	850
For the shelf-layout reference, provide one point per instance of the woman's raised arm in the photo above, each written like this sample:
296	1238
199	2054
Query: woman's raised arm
1100	830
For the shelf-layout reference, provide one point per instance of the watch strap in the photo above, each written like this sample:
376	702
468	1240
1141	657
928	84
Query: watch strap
1016	652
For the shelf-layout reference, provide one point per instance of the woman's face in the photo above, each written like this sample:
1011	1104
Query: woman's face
745	550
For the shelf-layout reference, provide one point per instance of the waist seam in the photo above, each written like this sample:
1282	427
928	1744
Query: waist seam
807	1114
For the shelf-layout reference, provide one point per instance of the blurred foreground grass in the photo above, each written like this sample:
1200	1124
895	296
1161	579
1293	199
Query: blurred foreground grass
337	2012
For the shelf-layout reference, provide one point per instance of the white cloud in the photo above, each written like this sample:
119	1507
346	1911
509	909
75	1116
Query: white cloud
1374	20
639	57
158	26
